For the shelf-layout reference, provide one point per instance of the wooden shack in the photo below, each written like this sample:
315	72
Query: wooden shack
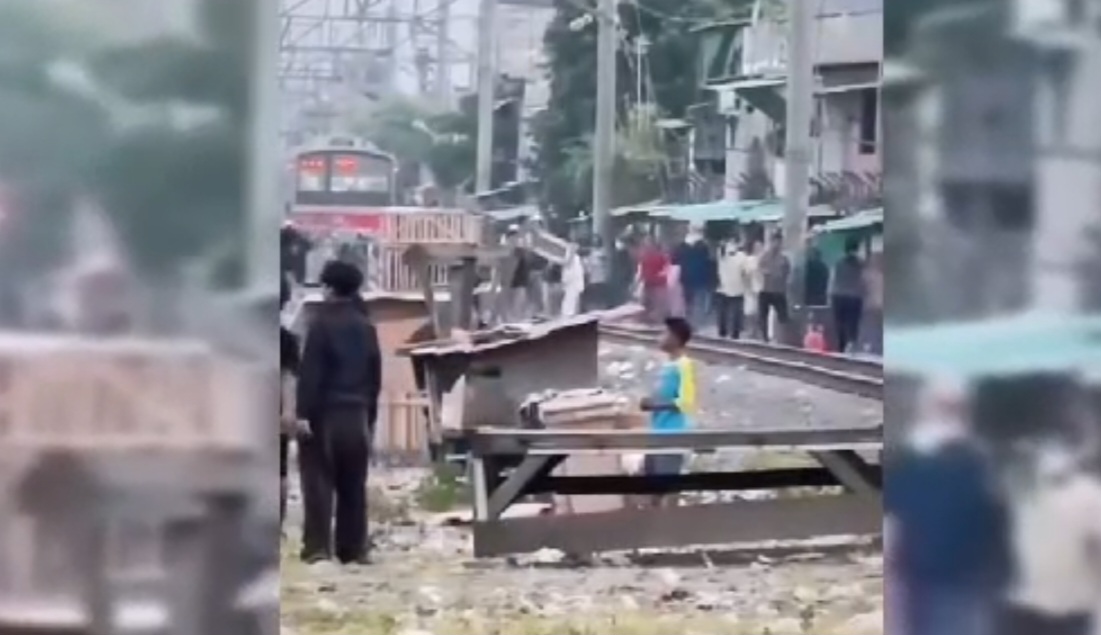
482	378
401	435
100	438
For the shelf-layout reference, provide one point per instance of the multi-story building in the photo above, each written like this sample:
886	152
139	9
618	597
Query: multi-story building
744	63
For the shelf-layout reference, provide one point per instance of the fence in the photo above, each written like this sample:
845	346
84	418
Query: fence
390	274
401	436
426	227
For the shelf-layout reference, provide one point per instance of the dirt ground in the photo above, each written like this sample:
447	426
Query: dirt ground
425	580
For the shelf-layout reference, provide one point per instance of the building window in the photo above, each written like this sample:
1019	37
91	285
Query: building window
869	120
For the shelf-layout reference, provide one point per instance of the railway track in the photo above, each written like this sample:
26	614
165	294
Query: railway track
842	373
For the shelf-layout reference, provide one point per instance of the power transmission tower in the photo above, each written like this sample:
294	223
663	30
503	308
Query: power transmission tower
331	54
443	85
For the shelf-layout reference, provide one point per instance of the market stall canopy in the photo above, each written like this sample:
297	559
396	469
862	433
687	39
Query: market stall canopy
866	219
736	211
1028	343
512	214
648	208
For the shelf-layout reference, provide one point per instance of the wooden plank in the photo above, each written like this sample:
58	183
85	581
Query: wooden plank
512	441
518	481
850	469
691	482
742	522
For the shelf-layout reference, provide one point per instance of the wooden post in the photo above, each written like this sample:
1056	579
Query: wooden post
462	279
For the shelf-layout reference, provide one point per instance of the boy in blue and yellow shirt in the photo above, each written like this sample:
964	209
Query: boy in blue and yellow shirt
674	401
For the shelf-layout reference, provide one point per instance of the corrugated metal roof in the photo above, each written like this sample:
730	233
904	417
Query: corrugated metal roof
518	334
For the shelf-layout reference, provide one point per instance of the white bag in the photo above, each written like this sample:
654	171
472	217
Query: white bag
632	464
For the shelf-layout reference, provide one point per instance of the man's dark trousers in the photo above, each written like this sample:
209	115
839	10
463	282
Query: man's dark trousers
333	464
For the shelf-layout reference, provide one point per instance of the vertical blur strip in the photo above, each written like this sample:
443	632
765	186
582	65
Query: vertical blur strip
138	310
993	346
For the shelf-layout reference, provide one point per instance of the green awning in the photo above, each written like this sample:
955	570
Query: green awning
742	211
1007	346
649	209
739	211
860	220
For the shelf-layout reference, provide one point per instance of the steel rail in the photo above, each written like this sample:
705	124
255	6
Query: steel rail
841	373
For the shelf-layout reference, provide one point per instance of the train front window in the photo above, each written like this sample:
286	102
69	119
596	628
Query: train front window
311	182
311	174
359	183
357	173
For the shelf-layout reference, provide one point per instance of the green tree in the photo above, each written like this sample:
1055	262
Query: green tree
80	115
177	191
417	136
563	130
48	135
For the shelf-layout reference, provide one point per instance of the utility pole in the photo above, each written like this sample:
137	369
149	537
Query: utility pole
604	134
487	93
264	209
797	144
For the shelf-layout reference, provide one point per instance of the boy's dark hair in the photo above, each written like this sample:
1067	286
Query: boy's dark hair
680	329
343	278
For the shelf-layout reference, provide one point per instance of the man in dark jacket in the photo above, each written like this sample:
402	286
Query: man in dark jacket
338	391
698	277
816	276
847	296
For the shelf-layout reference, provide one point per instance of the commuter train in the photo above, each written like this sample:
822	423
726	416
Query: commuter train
342	184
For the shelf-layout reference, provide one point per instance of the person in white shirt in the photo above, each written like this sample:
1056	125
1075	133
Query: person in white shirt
1056	541
597	294
734	280
756	282
573	283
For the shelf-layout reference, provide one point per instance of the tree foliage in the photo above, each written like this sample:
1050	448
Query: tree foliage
564	129
417	135
109	129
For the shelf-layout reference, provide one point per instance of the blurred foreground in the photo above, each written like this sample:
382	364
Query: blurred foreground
134	351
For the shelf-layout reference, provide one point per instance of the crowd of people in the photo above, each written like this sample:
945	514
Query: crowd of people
741	285
992	528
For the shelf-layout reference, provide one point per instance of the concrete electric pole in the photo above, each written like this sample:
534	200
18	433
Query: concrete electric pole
797	144
487	93
604	135
264	210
